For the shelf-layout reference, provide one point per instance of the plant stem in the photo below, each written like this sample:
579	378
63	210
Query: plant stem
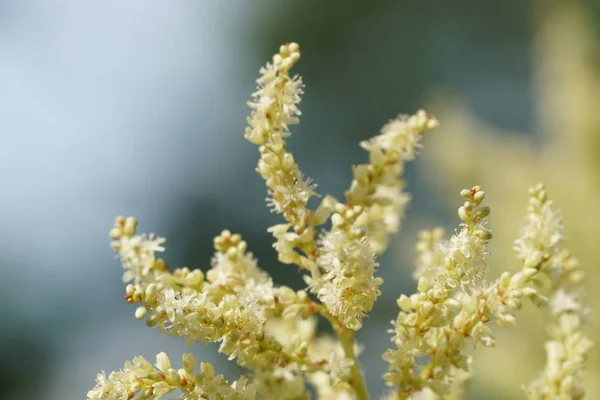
346	336
357	381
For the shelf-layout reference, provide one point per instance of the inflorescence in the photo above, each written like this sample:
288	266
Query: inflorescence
271	329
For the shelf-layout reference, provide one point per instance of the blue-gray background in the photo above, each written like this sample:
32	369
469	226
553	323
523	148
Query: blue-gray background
138	108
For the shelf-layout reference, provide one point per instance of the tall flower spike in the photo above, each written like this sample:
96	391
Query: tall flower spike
140	378
274	108
360	229
377	186
567	348
431	322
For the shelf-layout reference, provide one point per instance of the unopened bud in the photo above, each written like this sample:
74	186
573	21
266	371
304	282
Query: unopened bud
462	214
478	197
140	312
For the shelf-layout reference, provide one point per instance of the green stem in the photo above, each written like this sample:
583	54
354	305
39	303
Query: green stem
357	381
346	336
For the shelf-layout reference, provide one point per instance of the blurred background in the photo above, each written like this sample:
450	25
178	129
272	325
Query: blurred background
138	108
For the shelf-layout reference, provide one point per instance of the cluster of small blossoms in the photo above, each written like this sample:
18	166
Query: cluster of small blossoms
377	186
271	329
231	305
295	335
342	264
456	391
330	382
541	233
537	248
146	381
361	227
348	287
434	323
237	304
274	107
567	349
438	321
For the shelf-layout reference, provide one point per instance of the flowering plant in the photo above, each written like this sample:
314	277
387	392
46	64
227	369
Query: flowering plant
271	329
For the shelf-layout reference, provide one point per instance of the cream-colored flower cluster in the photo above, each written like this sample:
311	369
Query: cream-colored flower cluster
566	351
437	320
342	263
140	378
274	108
271	330
360	228
454	303
378	185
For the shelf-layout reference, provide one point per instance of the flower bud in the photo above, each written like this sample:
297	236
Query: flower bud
140	312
